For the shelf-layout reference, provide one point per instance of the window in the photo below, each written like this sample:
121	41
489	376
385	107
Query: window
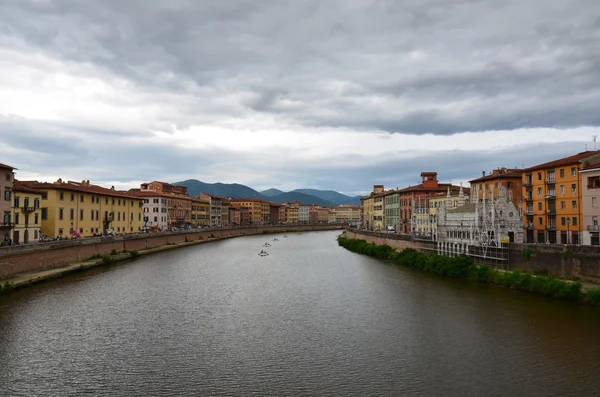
562	189
574	204
562	205
573	171
119	201
61	196
81	198
155	218
563	221
16	219
562	172
132	216
7	194
97	217
81	230
36	203
92	214
36	218
106	201
509	185
540	220
574	221
60	214
60	232
539	175
44	214
539	206
72	197
80	215
594	202
118	216
92	199
113	201
539	191
71	214
8	177
35	234
573	188
16	202
139	216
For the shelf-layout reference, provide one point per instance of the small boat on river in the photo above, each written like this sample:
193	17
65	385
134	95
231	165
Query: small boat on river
263	253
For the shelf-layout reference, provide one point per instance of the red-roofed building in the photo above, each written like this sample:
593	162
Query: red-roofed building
552	194
420	193
510	178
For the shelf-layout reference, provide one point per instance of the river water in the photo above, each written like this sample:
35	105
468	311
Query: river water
309	319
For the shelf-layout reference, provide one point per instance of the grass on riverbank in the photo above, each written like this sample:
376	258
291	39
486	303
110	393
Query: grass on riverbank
464	267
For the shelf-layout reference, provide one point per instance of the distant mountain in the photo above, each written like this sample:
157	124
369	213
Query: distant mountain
234	190
271	192
303	198
332	196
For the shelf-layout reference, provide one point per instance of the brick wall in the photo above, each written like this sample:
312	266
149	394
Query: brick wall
28	258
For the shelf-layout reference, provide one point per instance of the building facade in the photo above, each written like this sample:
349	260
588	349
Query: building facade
552	199
510	178
590	203
255	209
26	214
348	214
80	209
200	212
291	214
7	177
216	209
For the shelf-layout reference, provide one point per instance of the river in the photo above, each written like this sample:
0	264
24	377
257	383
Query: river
309	319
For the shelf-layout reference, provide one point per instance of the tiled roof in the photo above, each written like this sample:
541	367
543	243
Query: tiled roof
511	173
20	186
238	200
83	188
7	167
564	161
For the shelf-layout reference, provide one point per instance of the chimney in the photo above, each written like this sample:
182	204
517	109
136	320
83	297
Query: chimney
482	173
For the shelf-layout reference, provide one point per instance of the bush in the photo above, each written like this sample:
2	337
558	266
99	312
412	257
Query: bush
593	297
463	266
134	254
113	252
107	259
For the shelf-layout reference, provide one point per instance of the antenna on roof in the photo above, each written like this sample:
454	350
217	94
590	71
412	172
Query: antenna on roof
594	137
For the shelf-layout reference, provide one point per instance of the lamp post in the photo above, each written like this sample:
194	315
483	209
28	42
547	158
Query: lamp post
568	230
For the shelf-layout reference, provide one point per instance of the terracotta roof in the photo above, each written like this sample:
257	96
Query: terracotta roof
591	166
564	161
83	188
510	173
213	196
440	188
238	200
7	167
20	186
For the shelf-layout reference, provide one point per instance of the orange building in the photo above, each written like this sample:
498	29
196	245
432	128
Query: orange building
7	221
510	178
552	199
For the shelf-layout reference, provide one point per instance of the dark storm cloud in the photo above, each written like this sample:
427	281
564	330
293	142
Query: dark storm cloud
412	66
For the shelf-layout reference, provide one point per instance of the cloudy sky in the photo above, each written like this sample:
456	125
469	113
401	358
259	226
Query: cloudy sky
324	94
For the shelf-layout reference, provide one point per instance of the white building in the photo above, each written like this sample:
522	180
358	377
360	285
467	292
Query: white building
303	213
485	222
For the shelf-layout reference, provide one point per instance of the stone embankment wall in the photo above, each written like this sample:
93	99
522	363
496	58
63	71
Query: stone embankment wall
36	257
566	261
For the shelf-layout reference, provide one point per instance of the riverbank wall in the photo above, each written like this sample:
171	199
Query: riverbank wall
17	260
564	261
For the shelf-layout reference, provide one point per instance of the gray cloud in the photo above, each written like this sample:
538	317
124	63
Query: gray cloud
413	67
511	65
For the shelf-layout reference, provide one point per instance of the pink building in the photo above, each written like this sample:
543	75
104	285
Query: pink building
7	178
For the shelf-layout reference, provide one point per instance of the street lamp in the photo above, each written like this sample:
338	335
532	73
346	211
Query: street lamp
568	229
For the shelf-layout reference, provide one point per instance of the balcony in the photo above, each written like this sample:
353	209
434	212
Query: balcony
529	211
592	228
551	227
6	225
530	226
551	211
28	209
550	196
529	197
528	182
550	180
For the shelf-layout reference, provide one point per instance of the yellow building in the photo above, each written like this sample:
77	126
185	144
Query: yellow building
552	199
235	215
373	209
200	212
291	214
79	209
347	214
27	214
225	204
255	208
